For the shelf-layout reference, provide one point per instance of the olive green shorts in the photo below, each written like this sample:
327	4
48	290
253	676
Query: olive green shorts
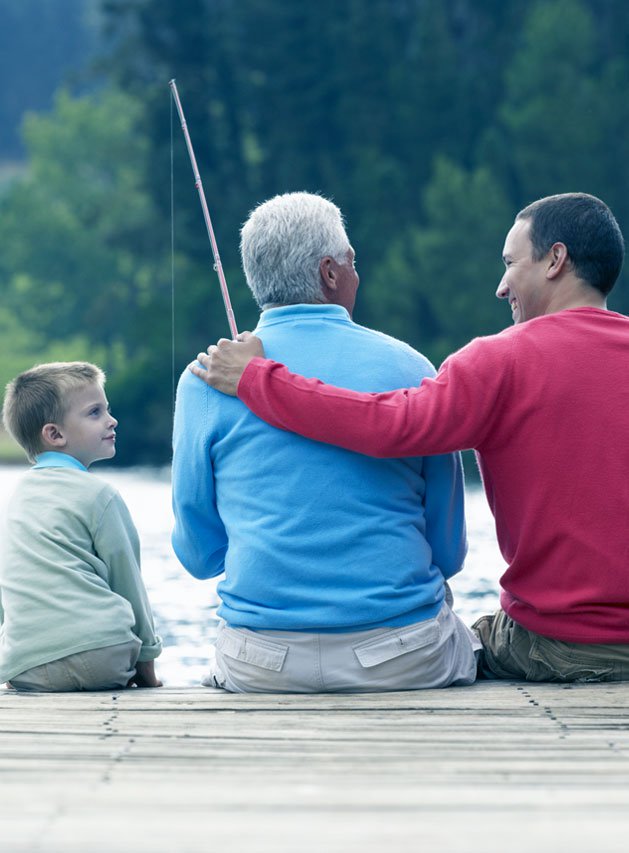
511	652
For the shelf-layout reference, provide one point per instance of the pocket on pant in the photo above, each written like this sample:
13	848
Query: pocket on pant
553	660
397	642
251	649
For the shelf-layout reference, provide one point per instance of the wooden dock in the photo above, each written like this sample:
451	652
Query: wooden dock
495	767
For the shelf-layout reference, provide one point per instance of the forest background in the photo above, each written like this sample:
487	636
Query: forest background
429	122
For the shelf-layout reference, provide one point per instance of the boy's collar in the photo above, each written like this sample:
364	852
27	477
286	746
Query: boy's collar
54	459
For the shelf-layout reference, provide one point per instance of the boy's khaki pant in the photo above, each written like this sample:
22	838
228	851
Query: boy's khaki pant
97	669
512	652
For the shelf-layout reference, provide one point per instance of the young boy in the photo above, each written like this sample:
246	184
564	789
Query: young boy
74	612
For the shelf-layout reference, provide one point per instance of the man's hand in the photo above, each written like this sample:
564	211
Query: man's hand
224	363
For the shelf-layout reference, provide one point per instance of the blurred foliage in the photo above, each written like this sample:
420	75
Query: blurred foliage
455	251
80	255
429	123
41	43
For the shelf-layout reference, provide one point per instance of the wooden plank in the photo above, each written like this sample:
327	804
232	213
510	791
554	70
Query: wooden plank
531	767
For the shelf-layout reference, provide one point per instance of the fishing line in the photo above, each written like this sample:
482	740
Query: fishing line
172	255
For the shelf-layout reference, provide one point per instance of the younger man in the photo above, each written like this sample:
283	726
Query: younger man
74	614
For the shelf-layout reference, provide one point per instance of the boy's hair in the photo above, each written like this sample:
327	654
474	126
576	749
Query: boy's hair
39	396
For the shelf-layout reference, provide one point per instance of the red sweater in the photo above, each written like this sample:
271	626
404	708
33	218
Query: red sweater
546	406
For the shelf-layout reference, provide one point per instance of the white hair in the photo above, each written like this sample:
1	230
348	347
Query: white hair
283	242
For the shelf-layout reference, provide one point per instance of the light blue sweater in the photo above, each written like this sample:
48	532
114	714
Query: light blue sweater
312	537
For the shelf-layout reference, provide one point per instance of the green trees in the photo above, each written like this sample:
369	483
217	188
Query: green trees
430	124
40	42
565	115
73	224
86	270
436	282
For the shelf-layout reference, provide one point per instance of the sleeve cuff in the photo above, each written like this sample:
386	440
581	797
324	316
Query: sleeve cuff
249	374
150	652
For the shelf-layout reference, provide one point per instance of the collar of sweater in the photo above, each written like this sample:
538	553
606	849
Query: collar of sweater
303	311
55	459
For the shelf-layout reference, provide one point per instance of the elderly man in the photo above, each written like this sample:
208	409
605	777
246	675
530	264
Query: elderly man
546	406
335	563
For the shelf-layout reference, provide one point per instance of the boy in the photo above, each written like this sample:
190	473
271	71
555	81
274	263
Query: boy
74	612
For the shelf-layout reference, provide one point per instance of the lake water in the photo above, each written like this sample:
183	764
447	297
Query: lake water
185	608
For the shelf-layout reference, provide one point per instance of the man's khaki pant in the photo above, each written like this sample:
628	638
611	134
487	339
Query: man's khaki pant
512	652
436	653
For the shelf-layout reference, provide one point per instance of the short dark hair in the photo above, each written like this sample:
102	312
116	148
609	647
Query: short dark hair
588	229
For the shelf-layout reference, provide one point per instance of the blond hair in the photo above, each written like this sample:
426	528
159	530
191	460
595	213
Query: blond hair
39	396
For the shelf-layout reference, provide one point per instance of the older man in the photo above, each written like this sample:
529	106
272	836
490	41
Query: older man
546	406
335	563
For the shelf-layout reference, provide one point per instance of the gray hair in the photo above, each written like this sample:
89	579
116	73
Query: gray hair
283	242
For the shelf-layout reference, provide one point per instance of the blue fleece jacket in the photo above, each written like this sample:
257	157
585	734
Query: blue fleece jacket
312	537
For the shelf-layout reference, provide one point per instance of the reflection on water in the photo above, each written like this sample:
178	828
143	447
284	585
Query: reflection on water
185	608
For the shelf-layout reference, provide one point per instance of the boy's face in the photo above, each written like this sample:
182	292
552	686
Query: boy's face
88	429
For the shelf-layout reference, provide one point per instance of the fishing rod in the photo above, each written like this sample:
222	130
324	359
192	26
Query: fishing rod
206	214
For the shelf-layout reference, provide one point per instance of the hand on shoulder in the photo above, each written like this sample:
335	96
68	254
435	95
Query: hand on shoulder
225	362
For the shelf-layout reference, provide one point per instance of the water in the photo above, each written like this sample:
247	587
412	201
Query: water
185	608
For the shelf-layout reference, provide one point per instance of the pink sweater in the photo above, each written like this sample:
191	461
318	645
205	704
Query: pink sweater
546	406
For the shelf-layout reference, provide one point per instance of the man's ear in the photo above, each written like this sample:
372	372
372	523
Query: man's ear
52	436
327	271
558	260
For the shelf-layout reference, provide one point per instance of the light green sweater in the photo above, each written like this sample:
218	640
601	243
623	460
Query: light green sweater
69	572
